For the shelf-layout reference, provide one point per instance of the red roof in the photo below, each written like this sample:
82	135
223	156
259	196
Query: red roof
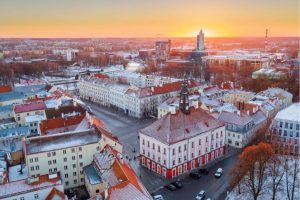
166	88
55	123
5	88
125	173
101	76
172	128
38	99
29	107
54	192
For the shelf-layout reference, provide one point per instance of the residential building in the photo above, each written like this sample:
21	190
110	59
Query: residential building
66	153
285	129
182	140
48	187
111	177
21	111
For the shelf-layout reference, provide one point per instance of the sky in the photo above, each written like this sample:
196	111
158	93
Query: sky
148	18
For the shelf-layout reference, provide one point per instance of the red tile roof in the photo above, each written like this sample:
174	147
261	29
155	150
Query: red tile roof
173	128
55	123
125	173
101	76
166	88
29	107
5	88
38	99
55	192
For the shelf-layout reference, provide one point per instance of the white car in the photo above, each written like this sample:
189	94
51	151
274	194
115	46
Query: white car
219	173
200	195
158	197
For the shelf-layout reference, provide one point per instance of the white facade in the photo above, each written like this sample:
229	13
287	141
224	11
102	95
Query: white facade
67	156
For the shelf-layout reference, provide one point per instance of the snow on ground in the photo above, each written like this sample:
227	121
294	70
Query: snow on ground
267	190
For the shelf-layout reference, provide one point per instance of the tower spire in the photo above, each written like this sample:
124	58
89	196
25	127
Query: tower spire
184	97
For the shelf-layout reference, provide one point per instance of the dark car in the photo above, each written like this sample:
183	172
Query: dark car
177	184
170	187
203	171
196	175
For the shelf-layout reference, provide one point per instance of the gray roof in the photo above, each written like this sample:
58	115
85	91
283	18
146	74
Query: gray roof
92	174
234	118
11	132
7	108
6	96
259	117
173	128
61	141
30	90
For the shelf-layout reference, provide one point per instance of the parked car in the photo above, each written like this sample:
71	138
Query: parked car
219	173
196	175
203	171
177	184
200	195
170	187
158	197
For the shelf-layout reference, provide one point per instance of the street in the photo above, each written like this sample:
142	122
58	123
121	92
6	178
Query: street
126	129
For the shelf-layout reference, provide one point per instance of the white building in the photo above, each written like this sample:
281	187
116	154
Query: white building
66	153
285	130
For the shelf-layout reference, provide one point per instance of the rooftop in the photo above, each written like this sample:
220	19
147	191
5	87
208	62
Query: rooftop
46	143
21	186
5	88
291	113
29	107
233	118
173	128
11	96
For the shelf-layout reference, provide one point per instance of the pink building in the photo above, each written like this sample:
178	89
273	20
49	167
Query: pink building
182	140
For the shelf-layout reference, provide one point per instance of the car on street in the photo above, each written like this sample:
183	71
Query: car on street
158	197
219	173
170	187
196	175
204	171
200	195
177	184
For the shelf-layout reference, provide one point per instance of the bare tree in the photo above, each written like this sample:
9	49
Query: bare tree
292	171
276	173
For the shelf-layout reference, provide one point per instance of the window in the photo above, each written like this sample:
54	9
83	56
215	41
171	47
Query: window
291	125
281	124
74	174
73	150
55	169
179	149
50	171
49	154
297	126
64	151
31	168
74	165
297	134
66	175
164	151
37	167
75	181
148	144
286	125
173	162
65	159
36	159
22	198
199	141
67	183
143	141
73	157
184	147
54	161
97	148
285	133
82	179
36	196
164	162
192	155
158	148
173	151
179	160
80	148
97	191
192	144
65	167
53	153
153	146
81	164
31	160
81	172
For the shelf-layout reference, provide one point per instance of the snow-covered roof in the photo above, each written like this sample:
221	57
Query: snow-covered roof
60	141
291	113
92	175
15	175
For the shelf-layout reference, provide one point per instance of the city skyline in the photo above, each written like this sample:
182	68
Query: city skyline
84	19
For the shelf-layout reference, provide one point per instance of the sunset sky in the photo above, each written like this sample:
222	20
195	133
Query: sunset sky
148	18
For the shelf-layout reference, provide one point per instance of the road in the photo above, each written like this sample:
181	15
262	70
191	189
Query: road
126	129
214	188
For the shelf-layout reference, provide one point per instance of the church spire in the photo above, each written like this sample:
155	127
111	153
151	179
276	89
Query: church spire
184	97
